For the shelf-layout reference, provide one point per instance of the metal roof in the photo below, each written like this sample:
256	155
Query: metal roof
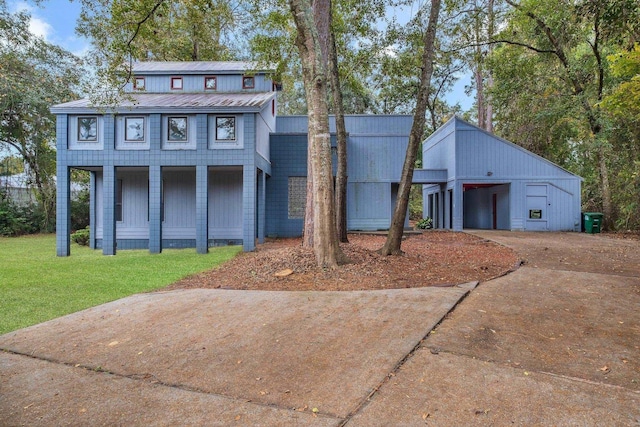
197	67
184	101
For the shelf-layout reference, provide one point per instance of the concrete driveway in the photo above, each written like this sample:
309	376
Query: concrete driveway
550	344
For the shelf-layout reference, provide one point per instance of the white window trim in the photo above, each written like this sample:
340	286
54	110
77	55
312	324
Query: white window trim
122	144
190	143
215	144
73	143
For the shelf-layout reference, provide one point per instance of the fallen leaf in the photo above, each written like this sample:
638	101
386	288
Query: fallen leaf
425	416
605	369
112	343
315	410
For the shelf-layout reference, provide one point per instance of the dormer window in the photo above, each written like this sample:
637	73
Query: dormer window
138	83
248	82
210	83
176	83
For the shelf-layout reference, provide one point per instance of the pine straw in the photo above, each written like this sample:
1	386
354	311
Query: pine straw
434	258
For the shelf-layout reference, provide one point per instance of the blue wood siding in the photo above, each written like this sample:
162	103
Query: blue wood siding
369	205
195	83
179	192
225	203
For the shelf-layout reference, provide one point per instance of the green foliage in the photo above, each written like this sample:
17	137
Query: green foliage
18	219
81	237
11	165
33	75
424	224
80	210
415	202
37	286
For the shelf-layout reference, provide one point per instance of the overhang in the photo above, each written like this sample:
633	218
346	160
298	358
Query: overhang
160	102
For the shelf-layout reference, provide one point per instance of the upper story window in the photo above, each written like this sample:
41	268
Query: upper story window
248	82
88	129
134	129
225	129
176	83
138	83
210	83
177	129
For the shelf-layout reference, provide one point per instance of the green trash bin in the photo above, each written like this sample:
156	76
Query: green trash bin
592	222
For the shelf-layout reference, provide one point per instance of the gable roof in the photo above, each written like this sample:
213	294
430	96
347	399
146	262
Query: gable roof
460	124
247	101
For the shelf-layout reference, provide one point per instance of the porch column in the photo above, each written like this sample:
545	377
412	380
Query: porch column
109	210
155	209
202	209
249	183
92	210
63	209
63	194
262	190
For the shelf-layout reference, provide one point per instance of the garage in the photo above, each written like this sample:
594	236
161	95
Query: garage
492	183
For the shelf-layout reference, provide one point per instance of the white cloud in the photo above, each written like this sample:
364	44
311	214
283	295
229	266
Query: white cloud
40	28
37	25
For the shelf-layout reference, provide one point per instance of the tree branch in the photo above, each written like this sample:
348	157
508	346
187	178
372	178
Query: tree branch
135	34
499	41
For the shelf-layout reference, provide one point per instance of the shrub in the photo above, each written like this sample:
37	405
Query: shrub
80	210
81	237
424	224
17	219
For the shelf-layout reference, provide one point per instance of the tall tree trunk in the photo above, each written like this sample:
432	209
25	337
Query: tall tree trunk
394	238
321	17
341	134
489	83
325	240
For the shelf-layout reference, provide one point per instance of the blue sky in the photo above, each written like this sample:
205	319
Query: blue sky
55	20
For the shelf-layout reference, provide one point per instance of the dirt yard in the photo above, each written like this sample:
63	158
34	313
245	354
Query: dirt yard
433	258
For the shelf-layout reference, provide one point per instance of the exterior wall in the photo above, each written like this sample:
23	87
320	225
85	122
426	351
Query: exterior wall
376	148
195	83
289	159
265	125
439	150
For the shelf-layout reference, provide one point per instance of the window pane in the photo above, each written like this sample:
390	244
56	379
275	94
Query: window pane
134	129
87	128
176	83
210	83
248	82
139	83
177	127
225	128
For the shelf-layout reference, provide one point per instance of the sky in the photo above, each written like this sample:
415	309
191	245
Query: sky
55	21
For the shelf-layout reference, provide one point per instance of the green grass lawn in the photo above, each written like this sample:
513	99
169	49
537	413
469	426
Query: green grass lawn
36	285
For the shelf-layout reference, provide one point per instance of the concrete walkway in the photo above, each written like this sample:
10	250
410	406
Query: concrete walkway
549	344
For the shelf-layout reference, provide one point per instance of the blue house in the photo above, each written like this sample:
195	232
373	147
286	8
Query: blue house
195	156
473	179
